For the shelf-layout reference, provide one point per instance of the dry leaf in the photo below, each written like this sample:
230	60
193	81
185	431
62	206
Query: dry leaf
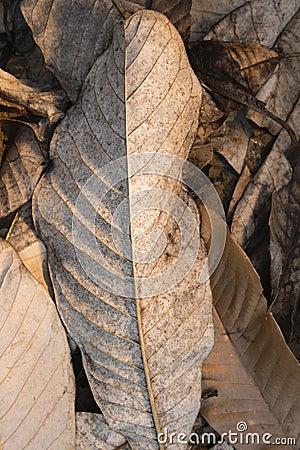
47	106
30	249
201	154
143	357
204	17
255	373
20	171
223	177
281	92
178	12
284	250
258	147
71	35
218	71
256	62
37	387
254	207
255	22
93	432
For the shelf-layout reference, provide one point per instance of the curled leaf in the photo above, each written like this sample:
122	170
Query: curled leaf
47	107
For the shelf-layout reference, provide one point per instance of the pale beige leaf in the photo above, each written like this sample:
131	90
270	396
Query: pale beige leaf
255	373
143	355
20	171
36	385
255	22
30	249
92	432
254	207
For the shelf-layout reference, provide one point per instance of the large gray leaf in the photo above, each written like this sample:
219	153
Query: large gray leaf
36	385
143	355
73	34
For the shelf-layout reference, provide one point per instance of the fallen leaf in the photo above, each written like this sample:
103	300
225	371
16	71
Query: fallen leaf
284	250
258	146
255	22
221	75
282	91
178	12
256	375
20	171
37	386
256	62
46	106
93	432
254	207
204	18
142	355
71	35
223	177
30	249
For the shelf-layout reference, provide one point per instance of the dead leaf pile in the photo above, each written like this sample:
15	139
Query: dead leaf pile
113	332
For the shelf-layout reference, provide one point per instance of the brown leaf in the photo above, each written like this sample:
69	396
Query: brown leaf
253	209
22	100
255	22
255	373
220	74
178	12
223	177
282	91
204	18
258	147
20	171
285	255
256	62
